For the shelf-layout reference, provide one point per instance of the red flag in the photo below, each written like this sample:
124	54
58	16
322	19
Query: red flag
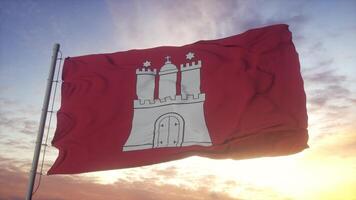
237	97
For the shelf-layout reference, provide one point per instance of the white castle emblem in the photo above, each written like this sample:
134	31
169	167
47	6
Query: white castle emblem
171	120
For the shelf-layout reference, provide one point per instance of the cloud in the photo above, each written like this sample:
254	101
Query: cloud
166	173
18	124
320	97
339	145
323	74
156	183
17	117
16	143
155	23
329	92
324	84
18	128
353	100
13	182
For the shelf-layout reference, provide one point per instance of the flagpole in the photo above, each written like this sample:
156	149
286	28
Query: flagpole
42	124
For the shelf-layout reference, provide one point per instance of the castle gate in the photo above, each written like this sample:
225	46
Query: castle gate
169	131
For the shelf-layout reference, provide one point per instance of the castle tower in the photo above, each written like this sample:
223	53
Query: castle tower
167	80
145	84
190	82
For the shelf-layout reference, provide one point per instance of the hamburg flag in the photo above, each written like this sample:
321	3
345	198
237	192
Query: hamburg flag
238	97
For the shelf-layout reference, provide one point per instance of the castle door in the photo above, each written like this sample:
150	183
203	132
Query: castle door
169	131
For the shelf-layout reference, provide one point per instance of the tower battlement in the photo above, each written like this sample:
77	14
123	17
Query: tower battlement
146	71
178	99
190	66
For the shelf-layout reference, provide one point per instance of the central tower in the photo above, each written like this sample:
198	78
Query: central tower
167	79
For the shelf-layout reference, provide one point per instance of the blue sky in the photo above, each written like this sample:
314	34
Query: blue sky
324	34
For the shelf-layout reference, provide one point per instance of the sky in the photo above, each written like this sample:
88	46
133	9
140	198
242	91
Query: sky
324	33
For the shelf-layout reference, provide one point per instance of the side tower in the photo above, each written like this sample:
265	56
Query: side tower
145	83
167	80
190	82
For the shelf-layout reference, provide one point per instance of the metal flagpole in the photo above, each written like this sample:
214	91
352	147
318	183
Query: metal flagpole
42	124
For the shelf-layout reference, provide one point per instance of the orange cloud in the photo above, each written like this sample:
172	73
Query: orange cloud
13	186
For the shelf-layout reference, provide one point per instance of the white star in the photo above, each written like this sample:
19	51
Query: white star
190	55
147	63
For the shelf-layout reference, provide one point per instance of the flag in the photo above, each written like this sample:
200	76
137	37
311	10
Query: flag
238	97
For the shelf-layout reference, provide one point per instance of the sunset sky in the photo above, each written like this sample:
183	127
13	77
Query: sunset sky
324	33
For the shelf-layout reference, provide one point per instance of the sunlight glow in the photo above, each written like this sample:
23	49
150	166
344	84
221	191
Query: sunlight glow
307	175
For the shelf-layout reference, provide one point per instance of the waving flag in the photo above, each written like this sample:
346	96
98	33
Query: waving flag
237	97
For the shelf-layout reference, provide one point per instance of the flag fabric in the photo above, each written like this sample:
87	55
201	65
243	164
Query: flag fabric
238	97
